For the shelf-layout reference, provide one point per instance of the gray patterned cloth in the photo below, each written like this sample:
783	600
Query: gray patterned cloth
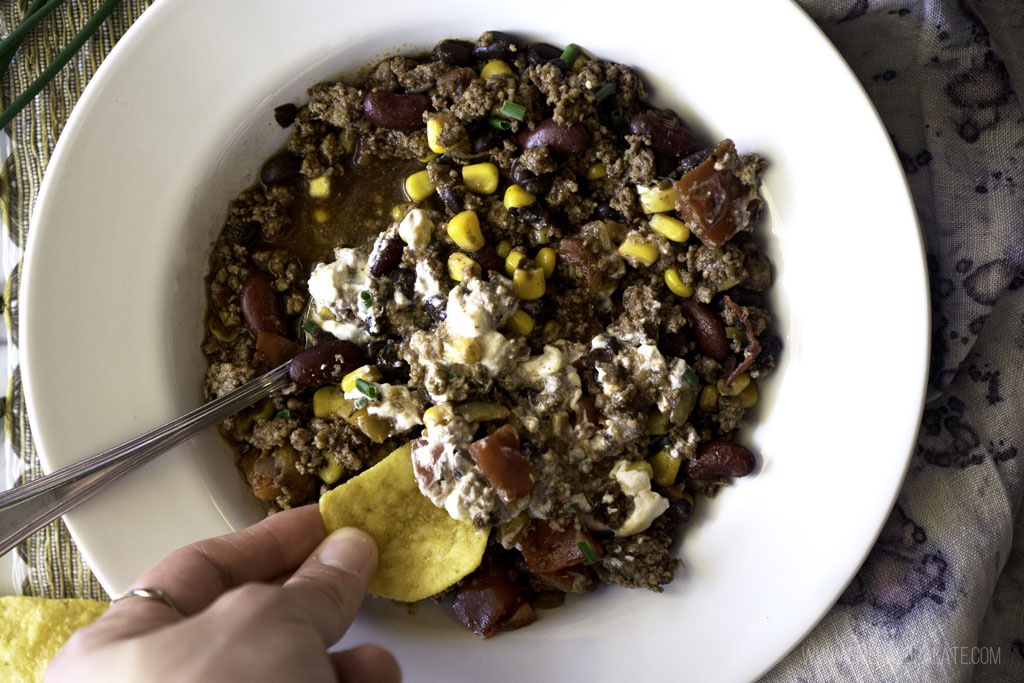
941	596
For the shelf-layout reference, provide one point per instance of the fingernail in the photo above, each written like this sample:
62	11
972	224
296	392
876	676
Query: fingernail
346	549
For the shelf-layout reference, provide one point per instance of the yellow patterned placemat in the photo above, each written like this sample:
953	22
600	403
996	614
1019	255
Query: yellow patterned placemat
53	566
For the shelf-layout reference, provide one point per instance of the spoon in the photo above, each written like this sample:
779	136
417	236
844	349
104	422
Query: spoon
27	508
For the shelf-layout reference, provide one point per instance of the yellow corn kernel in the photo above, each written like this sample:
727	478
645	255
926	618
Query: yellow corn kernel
512	532
515	259
321	215
329	473
676	285
428	158
438	416
521	323
433	133
265	412
708	398
552	330
327	400
748	397
726	285
480	178
495	67
222	331
482	411
516	196
655	199
320	187
560	422
464	229
665	467
418	186
596	172
546	259
400	211
463	350
541	235
734	332
735	387
374	426
503	248
640	466
370	373
672	228
658	424
529	284
462	267
643	252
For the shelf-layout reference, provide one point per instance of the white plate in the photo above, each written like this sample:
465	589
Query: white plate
177	121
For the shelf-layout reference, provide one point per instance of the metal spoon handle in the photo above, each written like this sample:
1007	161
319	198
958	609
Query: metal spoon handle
26	509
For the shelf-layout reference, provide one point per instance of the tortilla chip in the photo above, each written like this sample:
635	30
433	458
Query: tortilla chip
422	549
32	630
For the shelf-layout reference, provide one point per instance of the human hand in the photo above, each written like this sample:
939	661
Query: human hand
262	604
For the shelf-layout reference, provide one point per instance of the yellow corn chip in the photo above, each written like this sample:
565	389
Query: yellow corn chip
422	549
32	630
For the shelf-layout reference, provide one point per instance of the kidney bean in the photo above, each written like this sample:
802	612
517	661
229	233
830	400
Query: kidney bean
496	45
454	52
720	459
326	362
489	260
708	329
396	112
386	257
452	83
260	307
539	53
281	170
285	114
668	137
565	139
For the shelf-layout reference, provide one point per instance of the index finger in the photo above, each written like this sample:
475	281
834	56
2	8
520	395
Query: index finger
197	574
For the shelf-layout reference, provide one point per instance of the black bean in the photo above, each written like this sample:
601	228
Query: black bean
404	280
669	138
396	112
281	170
564	139
692	161
244	233
386	257
437	308
452	196
674	344
770	348
285	114
665	166
454	52
559	64
605	212
389	362
325	362
496	45
746	297
528	180
538	53
488	138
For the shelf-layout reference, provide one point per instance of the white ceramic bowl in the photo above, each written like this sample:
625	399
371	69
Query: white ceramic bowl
178	120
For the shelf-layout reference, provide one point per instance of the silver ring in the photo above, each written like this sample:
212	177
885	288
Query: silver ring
148	594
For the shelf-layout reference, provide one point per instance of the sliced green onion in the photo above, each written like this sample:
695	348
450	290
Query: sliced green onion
366	388
690	377
362	403
366	298
604	92
569	55
500	124
285	414
588	551
309	327
513	110
617	118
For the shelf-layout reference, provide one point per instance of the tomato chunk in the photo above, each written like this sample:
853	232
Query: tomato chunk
713	200
487	599
547	550
274	348
501	461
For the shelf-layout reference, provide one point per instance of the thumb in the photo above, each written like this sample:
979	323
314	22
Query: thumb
331	583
